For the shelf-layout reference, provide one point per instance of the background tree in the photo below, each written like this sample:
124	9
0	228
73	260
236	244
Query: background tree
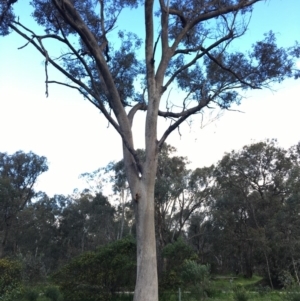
18	174
84	224
253	187
240	215
38	240
179	192
186	44
175	255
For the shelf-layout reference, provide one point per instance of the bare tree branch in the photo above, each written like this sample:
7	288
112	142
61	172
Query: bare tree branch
183	117
72	78
137	107
79	57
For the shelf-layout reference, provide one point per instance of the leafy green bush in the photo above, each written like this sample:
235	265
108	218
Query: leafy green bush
53	293
95	276
196	277
240	294
263	290
10	275
293	293
194	273
33	268
13	294
30	294
285	279
168	296
175	255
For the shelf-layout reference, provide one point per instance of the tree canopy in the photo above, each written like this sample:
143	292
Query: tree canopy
18	174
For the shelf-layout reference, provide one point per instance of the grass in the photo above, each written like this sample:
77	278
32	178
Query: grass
253	296
226	288
223	289
220	289
229	282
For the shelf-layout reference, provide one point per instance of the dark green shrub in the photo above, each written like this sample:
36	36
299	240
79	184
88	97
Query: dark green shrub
53	293
10	275
175	255
194	273
293	293
263	290
286	280
33	268
240	294
195	277
169	296
30	294
95	276
13	294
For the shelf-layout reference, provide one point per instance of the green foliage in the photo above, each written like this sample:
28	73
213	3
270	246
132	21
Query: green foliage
31	294
33	268
175	255
286	279
10	275
168	296
53	293
254	211
263	290
196	277
18	174
292	293
13	294
194	273
95	276
240	294
178	252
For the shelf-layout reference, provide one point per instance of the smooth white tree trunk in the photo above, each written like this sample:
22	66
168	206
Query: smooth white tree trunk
146	288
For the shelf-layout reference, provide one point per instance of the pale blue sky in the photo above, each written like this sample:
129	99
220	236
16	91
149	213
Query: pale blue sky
74	137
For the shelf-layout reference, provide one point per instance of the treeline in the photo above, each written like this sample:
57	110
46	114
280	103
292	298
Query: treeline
238	216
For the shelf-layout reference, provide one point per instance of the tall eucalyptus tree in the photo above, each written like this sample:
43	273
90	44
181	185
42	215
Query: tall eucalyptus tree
186	45
18	175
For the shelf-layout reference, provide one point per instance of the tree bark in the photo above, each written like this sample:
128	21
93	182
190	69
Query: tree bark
295	270
146	283
268	268
5	237
248	261
1	250
122	200
160	242
142	187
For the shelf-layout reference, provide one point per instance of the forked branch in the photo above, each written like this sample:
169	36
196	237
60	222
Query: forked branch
184	115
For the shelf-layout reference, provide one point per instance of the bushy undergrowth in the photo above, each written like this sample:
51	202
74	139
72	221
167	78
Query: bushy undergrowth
240	294
96	276
292	293
53	293
10	275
